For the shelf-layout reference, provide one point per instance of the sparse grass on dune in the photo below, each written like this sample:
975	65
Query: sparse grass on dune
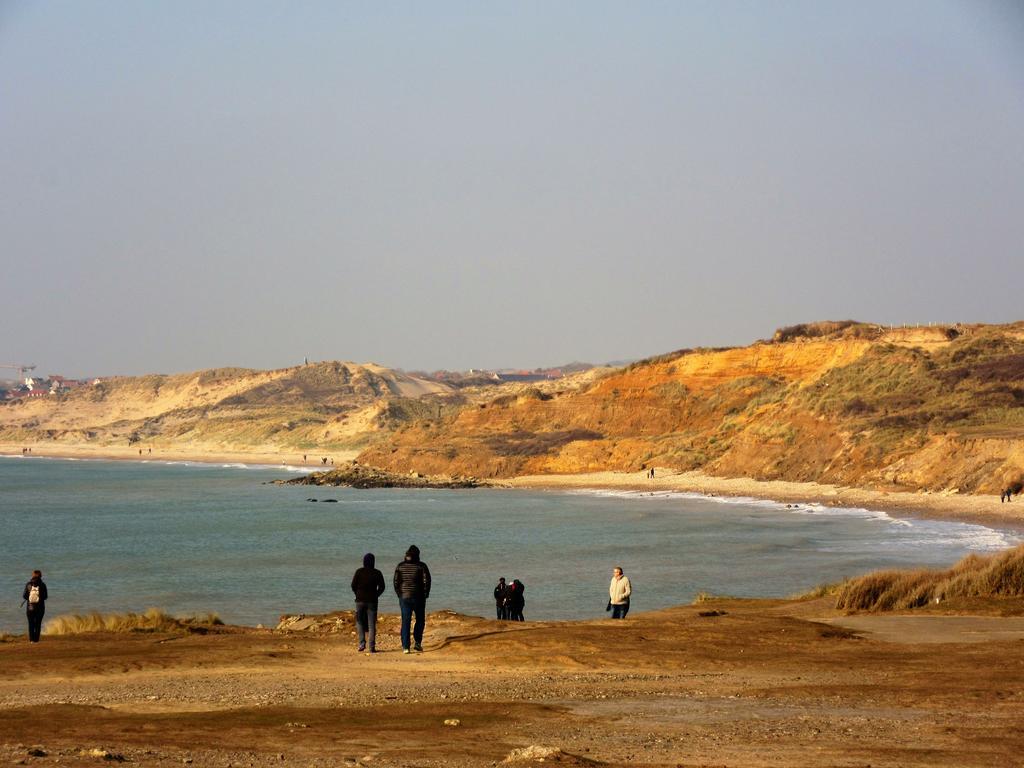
822	590
152	620
706	597
976	576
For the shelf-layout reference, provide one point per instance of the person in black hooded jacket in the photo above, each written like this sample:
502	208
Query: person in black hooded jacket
412	585
368	585
35	597
500	596
516	600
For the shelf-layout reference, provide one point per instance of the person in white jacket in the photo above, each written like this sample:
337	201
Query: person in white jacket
618	593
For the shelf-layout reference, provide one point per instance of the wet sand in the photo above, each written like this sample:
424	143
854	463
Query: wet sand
731	682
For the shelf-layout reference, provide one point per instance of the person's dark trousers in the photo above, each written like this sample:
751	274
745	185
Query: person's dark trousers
35	623
501	611
366	624
409	606
620	611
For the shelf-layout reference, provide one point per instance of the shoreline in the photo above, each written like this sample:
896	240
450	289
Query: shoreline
961	508
270	459
953	507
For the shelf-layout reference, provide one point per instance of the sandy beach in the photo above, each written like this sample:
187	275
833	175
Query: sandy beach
945	506
160	453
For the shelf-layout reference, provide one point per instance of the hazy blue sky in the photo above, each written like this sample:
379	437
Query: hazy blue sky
193	184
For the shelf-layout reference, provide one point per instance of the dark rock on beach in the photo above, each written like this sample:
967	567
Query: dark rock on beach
353	475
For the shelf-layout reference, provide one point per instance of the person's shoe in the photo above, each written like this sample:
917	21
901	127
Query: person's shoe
372	649
418	648
362	648
406	650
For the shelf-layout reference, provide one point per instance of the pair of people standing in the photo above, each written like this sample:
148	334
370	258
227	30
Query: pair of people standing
412	585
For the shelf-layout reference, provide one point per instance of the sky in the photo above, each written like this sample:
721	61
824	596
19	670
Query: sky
194	184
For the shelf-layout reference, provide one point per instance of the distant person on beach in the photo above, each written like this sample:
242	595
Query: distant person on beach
412	585
35	596
618	593
367	585
516	600
500	595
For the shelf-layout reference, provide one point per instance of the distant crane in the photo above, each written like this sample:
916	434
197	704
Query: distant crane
23	369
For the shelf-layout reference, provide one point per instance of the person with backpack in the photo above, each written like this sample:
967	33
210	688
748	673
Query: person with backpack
516	601
500	596
35	596
412	585
368	585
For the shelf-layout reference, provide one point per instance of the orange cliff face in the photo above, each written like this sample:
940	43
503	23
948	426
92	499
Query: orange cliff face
925	408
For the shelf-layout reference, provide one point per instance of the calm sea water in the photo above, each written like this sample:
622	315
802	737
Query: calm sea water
116	536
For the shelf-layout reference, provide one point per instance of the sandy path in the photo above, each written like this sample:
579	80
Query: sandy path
935	629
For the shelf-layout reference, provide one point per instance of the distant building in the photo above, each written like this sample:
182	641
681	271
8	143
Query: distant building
60	384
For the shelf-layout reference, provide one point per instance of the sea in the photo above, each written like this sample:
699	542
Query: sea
195	538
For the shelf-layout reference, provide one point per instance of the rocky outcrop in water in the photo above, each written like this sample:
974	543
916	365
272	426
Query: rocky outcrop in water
355	475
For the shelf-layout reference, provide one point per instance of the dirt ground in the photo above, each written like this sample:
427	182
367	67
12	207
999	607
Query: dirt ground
724	683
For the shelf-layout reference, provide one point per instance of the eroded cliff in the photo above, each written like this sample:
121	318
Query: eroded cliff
848	404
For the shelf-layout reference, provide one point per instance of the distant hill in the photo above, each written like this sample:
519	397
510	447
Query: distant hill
847	403
322	405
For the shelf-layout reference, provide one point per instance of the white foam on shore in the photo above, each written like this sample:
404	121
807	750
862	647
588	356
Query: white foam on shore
971	536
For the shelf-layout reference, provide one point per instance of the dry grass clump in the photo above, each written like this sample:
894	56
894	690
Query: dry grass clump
825	328
822	590
152	620
999	575
703	597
